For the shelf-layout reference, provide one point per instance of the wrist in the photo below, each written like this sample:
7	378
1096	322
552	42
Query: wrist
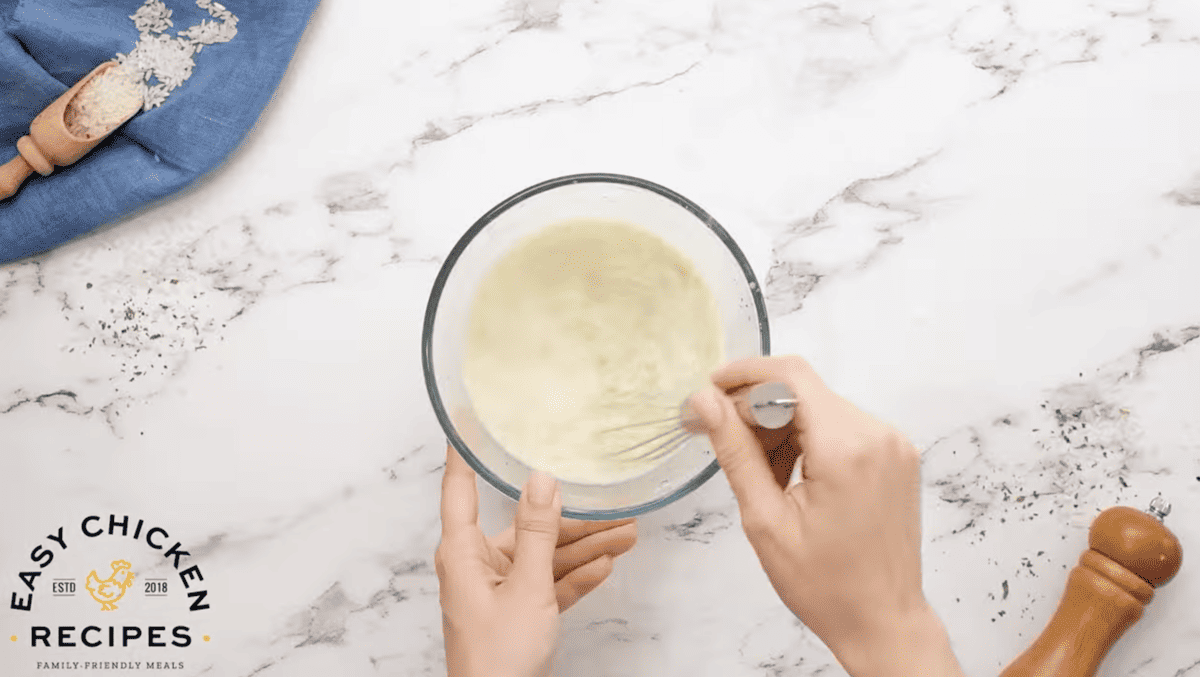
915	644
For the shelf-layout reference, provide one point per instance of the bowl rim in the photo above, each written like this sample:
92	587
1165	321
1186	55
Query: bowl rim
456	252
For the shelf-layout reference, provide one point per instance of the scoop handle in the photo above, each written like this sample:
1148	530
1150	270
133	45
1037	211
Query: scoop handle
12	175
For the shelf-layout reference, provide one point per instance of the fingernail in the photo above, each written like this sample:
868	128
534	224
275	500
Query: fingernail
541	489
707	407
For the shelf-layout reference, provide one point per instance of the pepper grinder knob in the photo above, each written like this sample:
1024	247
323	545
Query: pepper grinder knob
1159	507
1130	553
1138	541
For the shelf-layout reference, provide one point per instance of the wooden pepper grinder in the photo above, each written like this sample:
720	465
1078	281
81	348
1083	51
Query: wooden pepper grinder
1130	553
50	142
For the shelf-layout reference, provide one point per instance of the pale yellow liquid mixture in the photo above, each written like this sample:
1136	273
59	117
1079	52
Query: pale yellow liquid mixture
586	326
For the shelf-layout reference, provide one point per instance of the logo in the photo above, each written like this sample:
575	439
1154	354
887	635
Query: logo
113	588
103	590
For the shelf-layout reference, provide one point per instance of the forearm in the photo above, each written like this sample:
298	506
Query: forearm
930	653
917	646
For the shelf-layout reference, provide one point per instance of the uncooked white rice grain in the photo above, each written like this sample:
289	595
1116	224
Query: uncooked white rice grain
104	102
167	59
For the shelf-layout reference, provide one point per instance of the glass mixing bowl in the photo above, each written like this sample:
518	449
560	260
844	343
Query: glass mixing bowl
663	212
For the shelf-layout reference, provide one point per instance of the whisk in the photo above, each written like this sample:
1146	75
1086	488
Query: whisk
767	405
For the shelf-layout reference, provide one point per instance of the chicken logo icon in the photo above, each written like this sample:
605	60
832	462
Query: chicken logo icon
111	589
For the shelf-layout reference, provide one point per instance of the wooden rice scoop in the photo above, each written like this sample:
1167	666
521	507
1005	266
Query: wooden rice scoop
51	141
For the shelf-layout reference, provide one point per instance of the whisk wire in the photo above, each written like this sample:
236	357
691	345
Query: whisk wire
652	440
677	440
660	421
769	405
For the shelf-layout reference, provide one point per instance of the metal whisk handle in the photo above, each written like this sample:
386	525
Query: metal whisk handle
768	405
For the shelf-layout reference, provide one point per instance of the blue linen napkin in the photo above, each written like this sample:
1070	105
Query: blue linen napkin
46	46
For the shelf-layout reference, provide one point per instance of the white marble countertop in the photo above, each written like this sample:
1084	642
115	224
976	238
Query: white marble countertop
979	220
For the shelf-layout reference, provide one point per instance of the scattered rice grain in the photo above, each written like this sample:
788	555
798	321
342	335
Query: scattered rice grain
170	60
121	91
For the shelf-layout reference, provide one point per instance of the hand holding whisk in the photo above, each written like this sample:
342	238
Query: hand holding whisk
766	405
